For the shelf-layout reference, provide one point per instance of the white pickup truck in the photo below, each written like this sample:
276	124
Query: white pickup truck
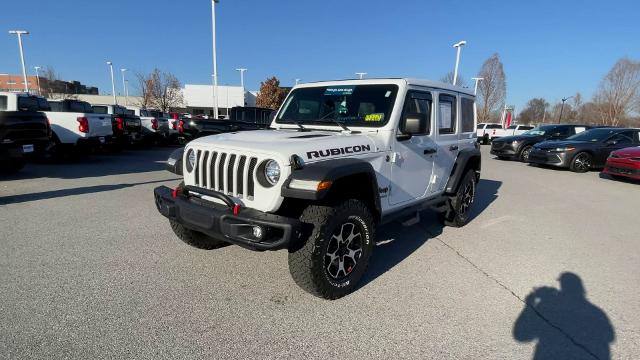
155	124
74	125
486	131
510	131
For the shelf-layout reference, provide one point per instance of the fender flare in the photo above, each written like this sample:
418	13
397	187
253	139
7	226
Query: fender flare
465	159
331	170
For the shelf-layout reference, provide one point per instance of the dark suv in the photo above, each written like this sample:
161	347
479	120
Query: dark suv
519	146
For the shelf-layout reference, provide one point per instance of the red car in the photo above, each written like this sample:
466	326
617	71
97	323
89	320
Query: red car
624	163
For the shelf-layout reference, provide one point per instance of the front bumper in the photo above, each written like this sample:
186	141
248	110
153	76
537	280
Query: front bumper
543	157
623	167
222	223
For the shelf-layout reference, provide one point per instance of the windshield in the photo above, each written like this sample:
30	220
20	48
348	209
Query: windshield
353	105
593	135
540	130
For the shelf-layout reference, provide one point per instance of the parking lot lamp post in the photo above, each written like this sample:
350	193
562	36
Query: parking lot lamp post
455	71
113	83
562	108
124	87
37	68
24	70
126	91
475	88
361	74
215	61
241	70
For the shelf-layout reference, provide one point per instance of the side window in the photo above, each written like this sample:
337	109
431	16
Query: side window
466	112
3	102
418	103
563	131
100	109
579	129
447	114
625	137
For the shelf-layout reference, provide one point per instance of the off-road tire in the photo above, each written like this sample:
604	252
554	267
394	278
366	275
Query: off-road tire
459	204
194	238
307	260
581	162
524	153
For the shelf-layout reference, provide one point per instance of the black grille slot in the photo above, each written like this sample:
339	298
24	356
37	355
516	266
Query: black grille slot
252	167
232	161
223	158
204	169
240	175
212	168
198	153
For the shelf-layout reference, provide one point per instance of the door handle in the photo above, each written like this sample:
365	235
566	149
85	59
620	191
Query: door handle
453	147
430	151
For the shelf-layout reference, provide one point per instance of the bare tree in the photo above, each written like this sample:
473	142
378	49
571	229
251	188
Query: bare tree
160	90
619	92
448	79
492	90
534	111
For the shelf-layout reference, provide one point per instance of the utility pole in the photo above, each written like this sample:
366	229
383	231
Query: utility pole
215	60
37	68
562	108
124	87
113	83
475	88
19	33
459	46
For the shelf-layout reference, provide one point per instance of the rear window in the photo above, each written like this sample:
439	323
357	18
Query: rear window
33	103
100	109
494	126
466	112
3	102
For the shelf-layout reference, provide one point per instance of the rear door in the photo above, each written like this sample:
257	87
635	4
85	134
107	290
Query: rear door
447	110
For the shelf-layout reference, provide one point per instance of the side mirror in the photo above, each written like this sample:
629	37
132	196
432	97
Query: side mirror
174	162
414	124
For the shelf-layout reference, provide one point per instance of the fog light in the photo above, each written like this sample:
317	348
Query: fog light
258	232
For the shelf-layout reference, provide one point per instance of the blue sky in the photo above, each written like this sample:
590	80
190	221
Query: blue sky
549	48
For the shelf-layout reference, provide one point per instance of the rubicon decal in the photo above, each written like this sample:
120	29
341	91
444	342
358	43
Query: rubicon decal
338	151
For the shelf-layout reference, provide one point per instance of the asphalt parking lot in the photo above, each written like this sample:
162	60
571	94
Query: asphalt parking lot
89	269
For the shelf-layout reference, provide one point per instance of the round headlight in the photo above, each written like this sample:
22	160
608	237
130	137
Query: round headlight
272	172
191	160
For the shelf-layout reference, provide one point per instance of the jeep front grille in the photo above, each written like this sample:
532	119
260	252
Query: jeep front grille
227	173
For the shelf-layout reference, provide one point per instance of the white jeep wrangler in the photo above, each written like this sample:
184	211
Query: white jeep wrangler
340	158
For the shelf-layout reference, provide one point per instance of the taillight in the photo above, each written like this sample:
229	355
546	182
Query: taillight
154	124
119	123
174	124
83	124
181	126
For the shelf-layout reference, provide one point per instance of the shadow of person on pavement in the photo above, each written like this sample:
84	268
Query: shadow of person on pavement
564	323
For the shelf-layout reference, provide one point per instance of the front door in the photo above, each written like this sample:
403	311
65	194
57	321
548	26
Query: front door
412	159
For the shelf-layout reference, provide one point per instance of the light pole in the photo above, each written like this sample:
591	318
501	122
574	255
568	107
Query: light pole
361	74
24	70
113	83
124	87
126	91
475	88
241	70
455	71
562	107
298	81
37	68
215	61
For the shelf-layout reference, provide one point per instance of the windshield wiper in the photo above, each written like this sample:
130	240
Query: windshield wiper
299	123
335	121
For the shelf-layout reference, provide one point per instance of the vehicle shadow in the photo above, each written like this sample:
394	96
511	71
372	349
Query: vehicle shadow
125	162
396	242
22	198
557	318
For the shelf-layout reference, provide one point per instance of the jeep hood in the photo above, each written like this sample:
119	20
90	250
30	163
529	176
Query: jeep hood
311	145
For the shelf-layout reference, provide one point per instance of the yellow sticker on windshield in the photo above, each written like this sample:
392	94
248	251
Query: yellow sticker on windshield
377	117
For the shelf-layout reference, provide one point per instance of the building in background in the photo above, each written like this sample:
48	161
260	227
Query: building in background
198	99
15	83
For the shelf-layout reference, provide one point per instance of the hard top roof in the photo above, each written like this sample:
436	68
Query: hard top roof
408	81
